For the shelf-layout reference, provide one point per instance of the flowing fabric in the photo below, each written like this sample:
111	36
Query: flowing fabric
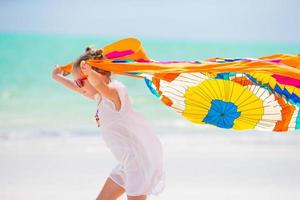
231	93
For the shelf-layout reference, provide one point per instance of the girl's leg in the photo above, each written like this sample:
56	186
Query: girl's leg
110	190
141	197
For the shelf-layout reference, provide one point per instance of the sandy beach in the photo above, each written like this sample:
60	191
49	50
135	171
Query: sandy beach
199	166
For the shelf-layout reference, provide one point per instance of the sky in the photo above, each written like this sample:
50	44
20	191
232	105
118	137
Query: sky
233	20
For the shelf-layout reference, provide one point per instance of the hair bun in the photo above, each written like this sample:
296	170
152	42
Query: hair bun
88	48
99	52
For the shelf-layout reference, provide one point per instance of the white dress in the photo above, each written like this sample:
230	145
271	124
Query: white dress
140	168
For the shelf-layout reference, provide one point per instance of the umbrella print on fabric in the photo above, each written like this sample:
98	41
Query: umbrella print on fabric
230	93
221	114
222	103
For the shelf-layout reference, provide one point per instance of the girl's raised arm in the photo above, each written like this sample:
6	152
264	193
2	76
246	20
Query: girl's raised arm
68	83
100	83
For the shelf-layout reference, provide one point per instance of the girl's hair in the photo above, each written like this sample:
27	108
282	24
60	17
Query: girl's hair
92	54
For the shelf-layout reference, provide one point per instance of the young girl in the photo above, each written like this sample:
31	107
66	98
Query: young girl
140	171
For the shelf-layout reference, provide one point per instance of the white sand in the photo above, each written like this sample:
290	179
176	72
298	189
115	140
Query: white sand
199	166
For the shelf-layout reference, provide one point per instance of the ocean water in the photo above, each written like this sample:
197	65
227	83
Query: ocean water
34	105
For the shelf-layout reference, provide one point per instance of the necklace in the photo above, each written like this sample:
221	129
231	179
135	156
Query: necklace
97	114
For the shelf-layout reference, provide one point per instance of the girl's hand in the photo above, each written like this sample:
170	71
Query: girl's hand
56	70
85	67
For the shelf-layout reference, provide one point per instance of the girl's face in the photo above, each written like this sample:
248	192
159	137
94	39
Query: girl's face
88	88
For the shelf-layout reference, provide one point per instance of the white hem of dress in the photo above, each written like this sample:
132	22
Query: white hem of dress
125	188
117	182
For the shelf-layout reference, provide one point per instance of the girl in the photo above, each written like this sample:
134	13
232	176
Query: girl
140	171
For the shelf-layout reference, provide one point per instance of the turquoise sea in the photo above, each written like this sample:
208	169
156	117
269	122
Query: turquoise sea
34	105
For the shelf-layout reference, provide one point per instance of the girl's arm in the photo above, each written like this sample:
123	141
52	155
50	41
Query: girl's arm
98	82
69	83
